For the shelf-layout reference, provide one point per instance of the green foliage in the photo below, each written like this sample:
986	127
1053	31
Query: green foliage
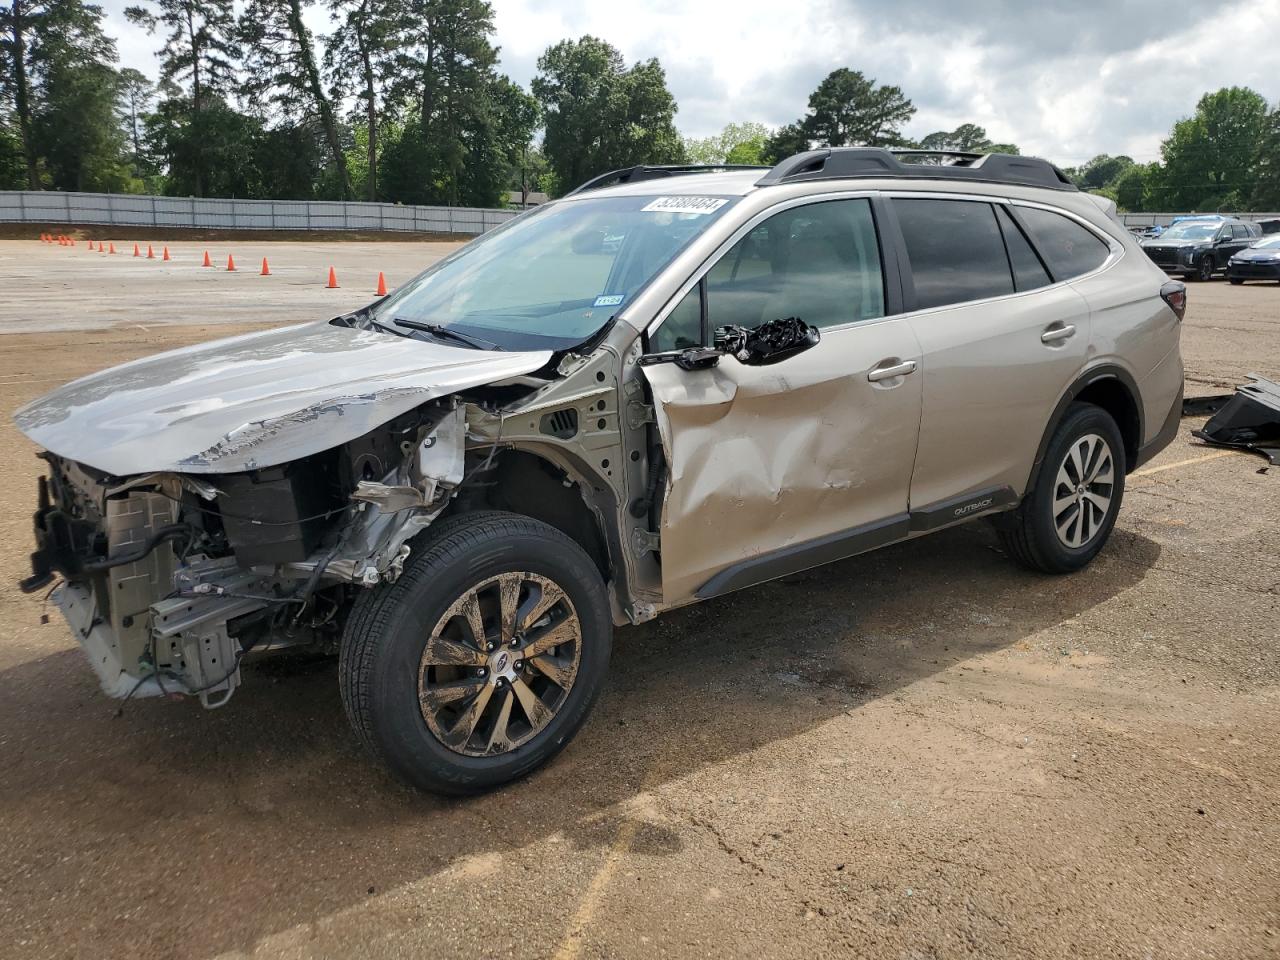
849	109
1209	157
737	140
966	138
785	142
13	174
601	115
1266	173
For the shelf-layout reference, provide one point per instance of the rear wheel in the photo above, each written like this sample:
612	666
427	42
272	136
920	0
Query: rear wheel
482	661
1066	519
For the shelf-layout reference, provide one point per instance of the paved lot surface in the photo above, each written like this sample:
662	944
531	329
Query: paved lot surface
48	287
924	752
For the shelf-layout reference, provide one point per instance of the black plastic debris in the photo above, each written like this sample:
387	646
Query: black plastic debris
1250	420
1205	406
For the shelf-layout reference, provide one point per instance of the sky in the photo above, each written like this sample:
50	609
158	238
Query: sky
1063	81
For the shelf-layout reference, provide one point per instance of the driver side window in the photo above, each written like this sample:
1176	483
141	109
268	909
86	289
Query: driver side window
819	262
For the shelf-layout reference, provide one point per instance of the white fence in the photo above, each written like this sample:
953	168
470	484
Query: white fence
135	210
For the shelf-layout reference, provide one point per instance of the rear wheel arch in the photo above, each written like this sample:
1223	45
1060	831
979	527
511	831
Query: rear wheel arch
1110	387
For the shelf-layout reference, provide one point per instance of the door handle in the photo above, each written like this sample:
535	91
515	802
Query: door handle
1056	333
888	373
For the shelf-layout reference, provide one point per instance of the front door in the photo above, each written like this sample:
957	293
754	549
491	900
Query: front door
772	469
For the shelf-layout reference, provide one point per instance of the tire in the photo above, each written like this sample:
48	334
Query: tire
1204	272
1031	534
412	638
1235	281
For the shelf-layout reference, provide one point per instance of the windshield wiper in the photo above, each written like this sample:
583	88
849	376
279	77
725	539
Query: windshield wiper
444	333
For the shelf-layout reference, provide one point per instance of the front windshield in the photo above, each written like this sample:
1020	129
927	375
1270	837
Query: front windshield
1190	231
1271	242
553	277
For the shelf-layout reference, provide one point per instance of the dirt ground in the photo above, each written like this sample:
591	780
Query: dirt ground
923	752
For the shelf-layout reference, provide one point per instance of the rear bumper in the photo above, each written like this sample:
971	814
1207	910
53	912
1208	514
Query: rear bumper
1168	431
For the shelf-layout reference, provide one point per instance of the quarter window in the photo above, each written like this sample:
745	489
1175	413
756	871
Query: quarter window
1028	272
1068	248
956	251
819	262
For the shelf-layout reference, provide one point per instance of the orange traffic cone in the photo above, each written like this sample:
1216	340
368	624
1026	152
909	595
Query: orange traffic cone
333	280
136	251
102	247
90	247
382	284
266	271
111	248
207	261
231	262
166	254
151	254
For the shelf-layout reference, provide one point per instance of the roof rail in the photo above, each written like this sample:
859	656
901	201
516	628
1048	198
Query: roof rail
654	172
835	163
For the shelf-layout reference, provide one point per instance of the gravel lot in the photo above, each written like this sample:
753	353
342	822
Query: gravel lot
923	752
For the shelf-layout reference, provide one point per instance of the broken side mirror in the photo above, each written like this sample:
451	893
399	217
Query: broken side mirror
771	342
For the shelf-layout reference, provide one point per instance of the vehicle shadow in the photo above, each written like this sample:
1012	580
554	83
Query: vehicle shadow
250	820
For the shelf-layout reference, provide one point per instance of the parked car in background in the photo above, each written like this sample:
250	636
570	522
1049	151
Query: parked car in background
1261	261
1199	248
1270	225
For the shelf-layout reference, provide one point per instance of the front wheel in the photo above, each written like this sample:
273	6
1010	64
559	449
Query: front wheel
483	659
1067	517
1235	281
1206	269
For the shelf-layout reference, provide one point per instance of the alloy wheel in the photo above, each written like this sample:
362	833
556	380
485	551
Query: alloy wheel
499	664
1083	490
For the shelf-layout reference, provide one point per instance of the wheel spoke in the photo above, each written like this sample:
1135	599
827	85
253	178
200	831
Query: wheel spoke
475	622
1102	473
1062	503
548	595
1064	478
537	712
1065	526
1100	502
450	653
435	695
509	601
566	631
1077	462
499	742
465	726
559	671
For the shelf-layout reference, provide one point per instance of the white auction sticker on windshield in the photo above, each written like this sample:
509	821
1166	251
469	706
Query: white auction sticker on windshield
684	205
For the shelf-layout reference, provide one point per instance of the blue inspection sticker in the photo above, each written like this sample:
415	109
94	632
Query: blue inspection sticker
611	300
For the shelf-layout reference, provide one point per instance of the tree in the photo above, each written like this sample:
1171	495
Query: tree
747	139
850	109
786	142
517	116
16	26
136	95
1266	187
600	115
1210	157
282	69
364	38
74	122
200	48
966	138
1132	185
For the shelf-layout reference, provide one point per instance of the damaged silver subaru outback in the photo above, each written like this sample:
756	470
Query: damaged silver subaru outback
672	384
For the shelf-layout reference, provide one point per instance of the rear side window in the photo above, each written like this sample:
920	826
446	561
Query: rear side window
1239	231
1068	248
1028	272
956	251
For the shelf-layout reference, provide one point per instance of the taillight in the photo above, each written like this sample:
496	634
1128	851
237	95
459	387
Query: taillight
1174	293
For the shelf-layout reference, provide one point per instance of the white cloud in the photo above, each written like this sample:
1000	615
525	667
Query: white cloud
1100	77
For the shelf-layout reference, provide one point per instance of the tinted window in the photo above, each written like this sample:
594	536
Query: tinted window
956	251
1239	231
1028	271
1068	248
819	262
683	326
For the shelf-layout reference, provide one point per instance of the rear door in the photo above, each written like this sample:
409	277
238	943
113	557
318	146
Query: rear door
1002	338
776	468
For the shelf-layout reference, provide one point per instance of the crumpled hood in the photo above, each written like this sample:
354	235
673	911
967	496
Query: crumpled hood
254	401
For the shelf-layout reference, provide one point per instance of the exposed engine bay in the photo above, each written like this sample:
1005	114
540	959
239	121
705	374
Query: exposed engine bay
171	578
